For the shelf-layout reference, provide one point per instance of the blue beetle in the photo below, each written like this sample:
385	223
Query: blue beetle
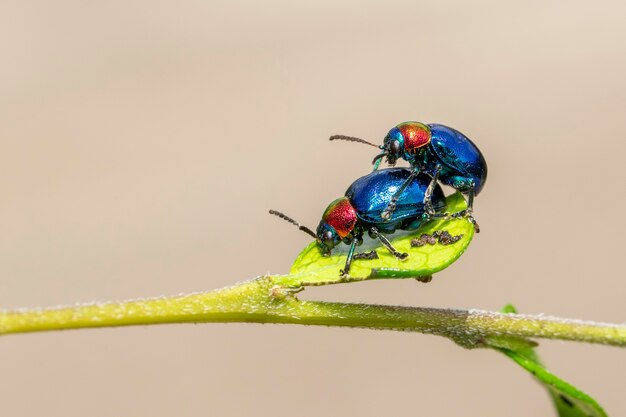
444	153
348	218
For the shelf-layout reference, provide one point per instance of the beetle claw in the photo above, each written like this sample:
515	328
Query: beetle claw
473	221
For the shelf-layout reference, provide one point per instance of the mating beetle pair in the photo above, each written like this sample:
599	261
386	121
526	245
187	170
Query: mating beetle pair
400	198
444	153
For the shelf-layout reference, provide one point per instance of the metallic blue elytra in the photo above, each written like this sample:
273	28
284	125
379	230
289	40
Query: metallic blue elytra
371	194
463	166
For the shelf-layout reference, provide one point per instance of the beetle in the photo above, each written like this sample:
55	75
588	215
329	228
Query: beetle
446	154
348	218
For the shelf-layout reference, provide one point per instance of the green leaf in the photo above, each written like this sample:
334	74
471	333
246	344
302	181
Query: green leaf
311	268
569	400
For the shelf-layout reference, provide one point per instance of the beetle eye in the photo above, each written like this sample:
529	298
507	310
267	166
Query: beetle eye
394	146
328	236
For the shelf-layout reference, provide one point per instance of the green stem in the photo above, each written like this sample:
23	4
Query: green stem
261	301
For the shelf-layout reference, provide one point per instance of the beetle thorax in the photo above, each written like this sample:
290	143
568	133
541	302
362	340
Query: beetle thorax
416	136
341	216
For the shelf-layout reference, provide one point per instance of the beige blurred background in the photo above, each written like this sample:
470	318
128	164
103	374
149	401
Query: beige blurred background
142	143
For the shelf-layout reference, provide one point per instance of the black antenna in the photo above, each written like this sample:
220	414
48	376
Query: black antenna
352	139
292	221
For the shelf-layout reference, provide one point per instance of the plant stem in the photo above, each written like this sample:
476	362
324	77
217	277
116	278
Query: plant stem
260	301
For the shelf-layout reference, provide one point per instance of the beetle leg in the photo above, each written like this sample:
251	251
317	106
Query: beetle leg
467	213
429	211
428	195
387	244
391	207
470	199
470	209
345	272
473	221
